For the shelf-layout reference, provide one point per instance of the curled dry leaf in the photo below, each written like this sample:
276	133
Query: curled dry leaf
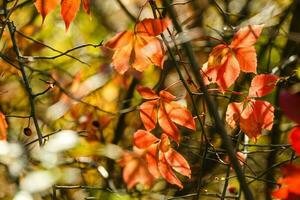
141	48
289	104
135	169
162	159
290	183
262	85
225	61
3	127
165	111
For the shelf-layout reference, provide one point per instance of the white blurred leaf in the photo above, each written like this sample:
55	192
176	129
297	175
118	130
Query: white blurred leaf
61	141
38	181
23	195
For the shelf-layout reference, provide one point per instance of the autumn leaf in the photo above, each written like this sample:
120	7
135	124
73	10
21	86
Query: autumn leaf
290	184
135	169
252	116
69	8
294	139
3	127
289	103
165	111
44	7
162	159
225	61
262	85
233	113
139	49
256	116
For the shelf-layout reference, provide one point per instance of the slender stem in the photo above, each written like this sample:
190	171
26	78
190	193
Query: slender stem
28	89
212	107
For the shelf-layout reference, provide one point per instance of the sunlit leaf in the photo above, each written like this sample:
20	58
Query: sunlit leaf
262	85
256	116
135	169
69	9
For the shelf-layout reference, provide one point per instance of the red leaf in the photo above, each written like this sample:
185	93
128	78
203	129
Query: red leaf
3	127
166	96
180	115
139	49
148	114
247	59
222	68
151	156
147	93
167	172
256	116
290	184
152	27
143	139
135	170
262	85
69	9
233	114
294	139
166	124
44	7
86	6
246	36
289	104
178	162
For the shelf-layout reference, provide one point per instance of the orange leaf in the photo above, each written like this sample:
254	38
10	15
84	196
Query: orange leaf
166	123
247	59
246	36
167	172
147	51
69	9
233	114
3	127
166	96
135	169
44	7
143	139
152	27
289	104
226	61
290	183
262	85
178	162
147	93
223	70
180	115
256	116
294	139
121	58
138	50
119	40
152	161
148	114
